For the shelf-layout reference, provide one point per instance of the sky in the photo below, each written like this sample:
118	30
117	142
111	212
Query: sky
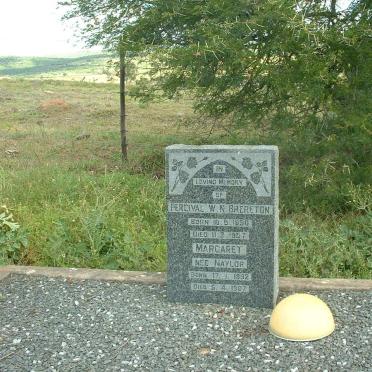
34	28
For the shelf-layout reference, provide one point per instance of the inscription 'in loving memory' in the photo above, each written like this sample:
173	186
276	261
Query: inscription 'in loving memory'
220	182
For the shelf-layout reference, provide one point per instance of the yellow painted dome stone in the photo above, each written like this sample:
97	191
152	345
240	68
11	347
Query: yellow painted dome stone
301	317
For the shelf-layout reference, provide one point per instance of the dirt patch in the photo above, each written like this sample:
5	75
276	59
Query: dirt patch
55	104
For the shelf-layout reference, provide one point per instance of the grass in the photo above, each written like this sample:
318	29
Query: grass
71	197
74	204
73	218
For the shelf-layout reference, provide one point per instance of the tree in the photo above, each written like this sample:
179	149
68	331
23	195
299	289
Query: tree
102	22
285	62
290	63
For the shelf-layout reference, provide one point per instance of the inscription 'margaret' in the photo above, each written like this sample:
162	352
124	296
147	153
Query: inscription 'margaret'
203	248
221	208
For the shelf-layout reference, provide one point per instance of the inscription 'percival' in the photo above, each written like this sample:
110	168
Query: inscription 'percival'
220	208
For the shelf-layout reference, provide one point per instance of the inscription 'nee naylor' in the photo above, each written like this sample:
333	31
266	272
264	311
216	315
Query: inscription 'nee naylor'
219	262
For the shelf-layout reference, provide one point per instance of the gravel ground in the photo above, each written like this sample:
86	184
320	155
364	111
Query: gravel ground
63	325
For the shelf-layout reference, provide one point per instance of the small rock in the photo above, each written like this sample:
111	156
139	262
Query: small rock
204	351
82	136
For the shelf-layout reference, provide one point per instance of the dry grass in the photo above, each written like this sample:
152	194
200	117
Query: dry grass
55	104
42	119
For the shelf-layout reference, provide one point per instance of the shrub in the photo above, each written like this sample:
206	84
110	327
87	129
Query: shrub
13	239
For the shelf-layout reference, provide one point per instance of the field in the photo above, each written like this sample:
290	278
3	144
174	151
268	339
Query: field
75	204
90	67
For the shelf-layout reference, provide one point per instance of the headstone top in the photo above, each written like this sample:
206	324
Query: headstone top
222	147
222	224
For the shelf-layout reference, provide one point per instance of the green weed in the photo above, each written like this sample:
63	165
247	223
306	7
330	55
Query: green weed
313	247
13	239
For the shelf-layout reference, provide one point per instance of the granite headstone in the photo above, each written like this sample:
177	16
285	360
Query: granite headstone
222	224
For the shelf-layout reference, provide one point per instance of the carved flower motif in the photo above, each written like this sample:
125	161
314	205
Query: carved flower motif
256	177
264	166
192	162
176	164
247	163
184	176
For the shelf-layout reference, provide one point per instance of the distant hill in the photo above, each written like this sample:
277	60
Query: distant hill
91	68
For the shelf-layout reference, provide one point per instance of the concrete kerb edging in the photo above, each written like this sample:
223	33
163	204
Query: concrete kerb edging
142	277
